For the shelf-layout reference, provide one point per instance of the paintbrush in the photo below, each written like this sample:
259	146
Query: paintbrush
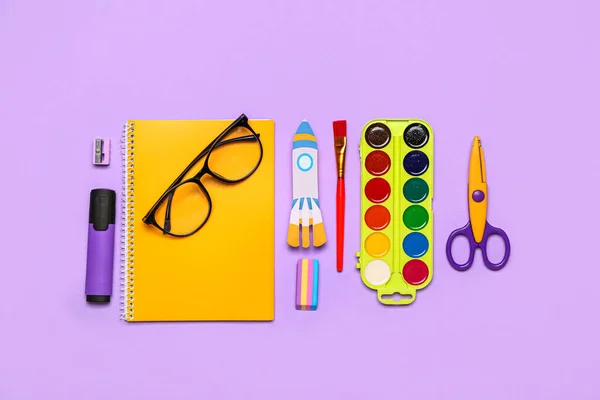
339	141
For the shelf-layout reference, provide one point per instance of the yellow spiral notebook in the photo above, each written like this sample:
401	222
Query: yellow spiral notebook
223	272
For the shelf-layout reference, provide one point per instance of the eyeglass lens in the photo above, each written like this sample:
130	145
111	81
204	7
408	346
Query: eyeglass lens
236	160
189	208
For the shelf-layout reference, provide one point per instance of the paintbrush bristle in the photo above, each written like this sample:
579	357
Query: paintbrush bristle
339	128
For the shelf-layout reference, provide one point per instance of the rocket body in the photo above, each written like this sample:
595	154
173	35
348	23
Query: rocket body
306	209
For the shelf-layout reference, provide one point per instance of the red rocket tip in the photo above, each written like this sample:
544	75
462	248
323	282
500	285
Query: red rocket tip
339	128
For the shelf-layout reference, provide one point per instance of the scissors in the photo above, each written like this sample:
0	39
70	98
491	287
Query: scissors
477	230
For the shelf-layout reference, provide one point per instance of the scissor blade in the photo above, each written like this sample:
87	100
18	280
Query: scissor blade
482	163
480	159
477	191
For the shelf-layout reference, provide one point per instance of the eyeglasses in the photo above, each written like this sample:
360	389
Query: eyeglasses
185	207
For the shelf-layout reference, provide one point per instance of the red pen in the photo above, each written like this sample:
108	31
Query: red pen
339	141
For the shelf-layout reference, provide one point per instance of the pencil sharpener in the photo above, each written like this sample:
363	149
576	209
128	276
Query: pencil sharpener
101	151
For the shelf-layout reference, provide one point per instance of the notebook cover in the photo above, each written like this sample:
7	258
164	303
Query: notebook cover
223	272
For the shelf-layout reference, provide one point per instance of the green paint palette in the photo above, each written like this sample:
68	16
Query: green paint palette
396	255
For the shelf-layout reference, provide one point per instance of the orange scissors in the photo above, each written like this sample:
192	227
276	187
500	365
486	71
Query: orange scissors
477	230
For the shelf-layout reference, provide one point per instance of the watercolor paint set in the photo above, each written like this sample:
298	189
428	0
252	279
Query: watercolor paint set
396	254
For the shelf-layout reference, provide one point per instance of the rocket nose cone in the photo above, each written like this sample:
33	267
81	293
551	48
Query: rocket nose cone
305	128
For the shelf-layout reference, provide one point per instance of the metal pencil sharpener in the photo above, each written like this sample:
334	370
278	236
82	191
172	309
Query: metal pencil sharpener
101	151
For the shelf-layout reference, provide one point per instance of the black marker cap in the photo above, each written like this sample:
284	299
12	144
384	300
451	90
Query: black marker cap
102	208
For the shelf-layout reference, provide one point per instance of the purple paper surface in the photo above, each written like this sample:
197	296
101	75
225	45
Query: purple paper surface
523	75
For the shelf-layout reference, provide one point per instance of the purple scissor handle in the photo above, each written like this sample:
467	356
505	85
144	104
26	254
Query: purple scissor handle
467	231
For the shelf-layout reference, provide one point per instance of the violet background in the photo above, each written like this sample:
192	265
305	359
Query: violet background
521	74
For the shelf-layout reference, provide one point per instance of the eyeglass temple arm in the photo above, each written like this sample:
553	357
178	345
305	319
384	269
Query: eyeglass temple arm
205	152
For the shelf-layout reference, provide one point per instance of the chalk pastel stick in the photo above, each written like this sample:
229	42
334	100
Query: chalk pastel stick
307	284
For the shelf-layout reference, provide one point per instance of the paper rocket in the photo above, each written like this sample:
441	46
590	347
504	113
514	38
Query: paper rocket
306	211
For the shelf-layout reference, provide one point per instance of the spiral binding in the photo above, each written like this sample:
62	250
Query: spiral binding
127	223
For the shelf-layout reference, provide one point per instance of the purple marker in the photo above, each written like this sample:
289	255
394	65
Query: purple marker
101	244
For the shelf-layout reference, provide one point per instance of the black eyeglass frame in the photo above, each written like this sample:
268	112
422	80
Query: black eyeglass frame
240	122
